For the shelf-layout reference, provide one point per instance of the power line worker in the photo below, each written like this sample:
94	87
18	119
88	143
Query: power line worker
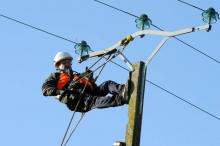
93	96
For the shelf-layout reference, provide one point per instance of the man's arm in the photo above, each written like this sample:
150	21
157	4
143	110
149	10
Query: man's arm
49	87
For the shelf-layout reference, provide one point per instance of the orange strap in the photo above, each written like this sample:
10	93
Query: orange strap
84	81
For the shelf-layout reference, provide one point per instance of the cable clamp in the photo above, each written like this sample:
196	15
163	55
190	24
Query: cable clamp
126	40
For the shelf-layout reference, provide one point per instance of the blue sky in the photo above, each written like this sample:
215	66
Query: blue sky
29	118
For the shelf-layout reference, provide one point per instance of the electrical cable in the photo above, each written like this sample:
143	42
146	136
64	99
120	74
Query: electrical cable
116	8
74	129
191	5
36	28
193	105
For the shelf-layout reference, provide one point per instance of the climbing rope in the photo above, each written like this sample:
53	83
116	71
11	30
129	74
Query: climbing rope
124	43
80	96
81	93
74	129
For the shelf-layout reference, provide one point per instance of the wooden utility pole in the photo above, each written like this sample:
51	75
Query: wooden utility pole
135	109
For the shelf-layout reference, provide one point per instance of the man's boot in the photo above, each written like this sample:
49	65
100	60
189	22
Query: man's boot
126	92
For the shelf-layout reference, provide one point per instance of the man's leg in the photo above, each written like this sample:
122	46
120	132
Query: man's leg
108	87
106	101
100	98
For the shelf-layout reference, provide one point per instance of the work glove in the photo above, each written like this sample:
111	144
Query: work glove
88	74
68	95
72	100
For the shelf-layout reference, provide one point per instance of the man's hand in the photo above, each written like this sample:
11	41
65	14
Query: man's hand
89	74
66	95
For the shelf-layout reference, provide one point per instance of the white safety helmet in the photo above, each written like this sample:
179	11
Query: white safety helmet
61	56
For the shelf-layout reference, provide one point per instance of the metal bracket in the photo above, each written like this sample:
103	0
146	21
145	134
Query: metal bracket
97	54
156	50
126	61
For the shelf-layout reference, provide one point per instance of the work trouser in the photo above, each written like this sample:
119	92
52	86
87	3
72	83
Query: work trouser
108	94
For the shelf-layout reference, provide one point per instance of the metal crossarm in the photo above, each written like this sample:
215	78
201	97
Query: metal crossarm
166	34
170	34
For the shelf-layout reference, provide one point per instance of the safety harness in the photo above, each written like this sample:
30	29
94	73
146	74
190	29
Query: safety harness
65	78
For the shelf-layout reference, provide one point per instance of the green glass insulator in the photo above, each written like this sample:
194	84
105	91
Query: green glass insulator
143	22
82	48
210	16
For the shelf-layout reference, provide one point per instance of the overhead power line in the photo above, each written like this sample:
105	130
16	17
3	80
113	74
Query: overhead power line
169	92
180	98
191	5
183	42
52	34
194	48
117	9
36	28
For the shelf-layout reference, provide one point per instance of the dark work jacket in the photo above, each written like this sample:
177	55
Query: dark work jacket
49	87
